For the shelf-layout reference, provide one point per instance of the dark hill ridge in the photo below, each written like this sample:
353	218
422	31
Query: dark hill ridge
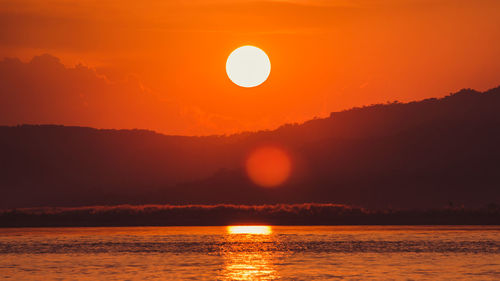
401	155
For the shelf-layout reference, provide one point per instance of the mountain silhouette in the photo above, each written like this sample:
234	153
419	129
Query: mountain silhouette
421	154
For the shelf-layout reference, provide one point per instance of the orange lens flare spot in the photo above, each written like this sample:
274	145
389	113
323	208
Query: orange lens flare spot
249	229
268	166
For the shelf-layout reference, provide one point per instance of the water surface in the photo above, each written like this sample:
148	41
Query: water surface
262	253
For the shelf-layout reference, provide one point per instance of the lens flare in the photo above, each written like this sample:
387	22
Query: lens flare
268	166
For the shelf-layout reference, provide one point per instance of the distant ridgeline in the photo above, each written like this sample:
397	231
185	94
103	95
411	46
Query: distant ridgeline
425	154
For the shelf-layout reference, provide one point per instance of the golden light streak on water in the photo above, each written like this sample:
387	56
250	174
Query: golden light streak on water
245	256
249	229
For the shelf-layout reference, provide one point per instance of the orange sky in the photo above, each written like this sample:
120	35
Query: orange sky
160	64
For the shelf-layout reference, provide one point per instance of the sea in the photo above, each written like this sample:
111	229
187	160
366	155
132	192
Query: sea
259	252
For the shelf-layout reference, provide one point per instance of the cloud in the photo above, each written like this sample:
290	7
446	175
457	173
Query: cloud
43	90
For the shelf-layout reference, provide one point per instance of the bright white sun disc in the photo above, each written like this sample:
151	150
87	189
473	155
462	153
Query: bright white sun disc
248	66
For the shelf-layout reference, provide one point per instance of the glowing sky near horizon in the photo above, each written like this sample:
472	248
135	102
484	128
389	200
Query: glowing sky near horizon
160	65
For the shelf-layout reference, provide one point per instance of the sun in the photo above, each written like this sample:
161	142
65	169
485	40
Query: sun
248	66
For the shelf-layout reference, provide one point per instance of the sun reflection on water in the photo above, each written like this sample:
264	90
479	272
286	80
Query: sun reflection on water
249	229
248	256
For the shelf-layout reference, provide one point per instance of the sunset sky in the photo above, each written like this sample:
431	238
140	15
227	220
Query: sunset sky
160	65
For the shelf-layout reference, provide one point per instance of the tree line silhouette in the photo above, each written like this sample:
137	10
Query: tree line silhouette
225	214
